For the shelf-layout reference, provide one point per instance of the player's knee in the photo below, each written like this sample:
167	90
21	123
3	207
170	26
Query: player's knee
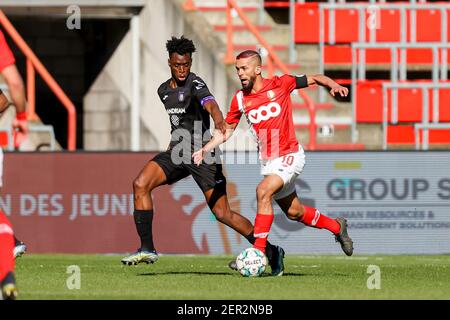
263	194
140	186
220	214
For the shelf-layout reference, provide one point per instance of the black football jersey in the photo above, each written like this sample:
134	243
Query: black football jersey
184	105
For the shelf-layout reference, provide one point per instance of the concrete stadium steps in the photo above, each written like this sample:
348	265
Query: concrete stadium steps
217	16
36	140
278	35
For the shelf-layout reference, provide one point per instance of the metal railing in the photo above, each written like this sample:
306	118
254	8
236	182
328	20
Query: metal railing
361	9
425	127
424	87
34	64
398	70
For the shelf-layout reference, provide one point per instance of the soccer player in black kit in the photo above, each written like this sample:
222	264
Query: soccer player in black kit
189	104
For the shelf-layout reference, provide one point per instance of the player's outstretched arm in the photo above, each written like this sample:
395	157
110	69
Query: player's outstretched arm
218	138
325	81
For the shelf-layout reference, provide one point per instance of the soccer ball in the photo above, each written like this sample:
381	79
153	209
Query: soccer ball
251	262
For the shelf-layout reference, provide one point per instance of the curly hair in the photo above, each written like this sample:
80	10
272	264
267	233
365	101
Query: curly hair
180	45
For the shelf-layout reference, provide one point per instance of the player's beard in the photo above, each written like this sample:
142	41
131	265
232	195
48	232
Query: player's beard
247	88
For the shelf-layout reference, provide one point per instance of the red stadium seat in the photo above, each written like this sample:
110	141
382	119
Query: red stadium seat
444	105
369	101
307	24
306	29
409	105
337	55
404	134
400	134
378	56
419	56
428	24
346	26
439	135
389	28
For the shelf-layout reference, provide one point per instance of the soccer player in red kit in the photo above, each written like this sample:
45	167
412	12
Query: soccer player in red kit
8	287
9	72
267	106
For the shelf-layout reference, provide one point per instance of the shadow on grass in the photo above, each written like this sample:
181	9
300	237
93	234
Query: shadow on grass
335	274
202	273
199	273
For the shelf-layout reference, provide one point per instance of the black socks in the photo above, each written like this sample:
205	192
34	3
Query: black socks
143	220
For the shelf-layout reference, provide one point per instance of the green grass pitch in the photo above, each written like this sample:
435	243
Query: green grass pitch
208	277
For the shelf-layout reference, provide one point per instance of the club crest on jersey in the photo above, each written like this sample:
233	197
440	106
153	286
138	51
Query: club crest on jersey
271	94
181	96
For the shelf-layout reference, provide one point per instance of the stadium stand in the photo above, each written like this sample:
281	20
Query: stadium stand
399	38
340	30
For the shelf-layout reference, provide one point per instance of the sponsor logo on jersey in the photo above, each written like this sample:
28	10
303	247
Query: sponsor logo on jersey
176	110
264	113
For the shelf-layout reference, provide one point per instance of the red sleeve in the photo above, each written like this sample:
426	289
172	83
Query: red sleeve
6	56
288	82
234	115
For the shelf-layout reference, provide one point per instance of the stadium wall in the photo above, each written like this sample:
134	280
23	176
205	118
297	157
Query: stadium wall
395	202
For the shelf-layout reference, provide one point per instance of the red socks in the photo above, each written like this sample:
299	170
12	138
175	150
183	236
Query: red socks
313	218
263	222
6	247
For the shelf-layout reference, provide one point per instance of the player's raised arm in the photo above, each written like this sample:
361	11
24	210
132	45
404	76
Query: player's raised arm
218	138
325	81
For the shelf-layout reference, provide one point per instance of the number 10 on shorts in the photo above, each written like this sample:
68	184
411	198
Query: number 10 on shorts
288	160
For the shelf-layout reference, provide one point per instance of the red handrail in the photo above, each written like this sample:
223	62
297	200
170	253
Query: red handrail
272	57
34	63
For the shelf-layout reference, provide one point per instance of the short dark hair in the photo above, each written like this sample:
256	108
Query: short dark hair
248	54
180	45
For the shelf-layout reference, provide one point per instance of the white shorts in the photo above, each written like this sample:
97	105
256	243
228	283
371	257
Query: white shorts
288	168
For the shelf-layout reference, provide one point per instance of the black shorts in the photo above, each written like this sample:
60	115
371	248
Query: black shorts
207	176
